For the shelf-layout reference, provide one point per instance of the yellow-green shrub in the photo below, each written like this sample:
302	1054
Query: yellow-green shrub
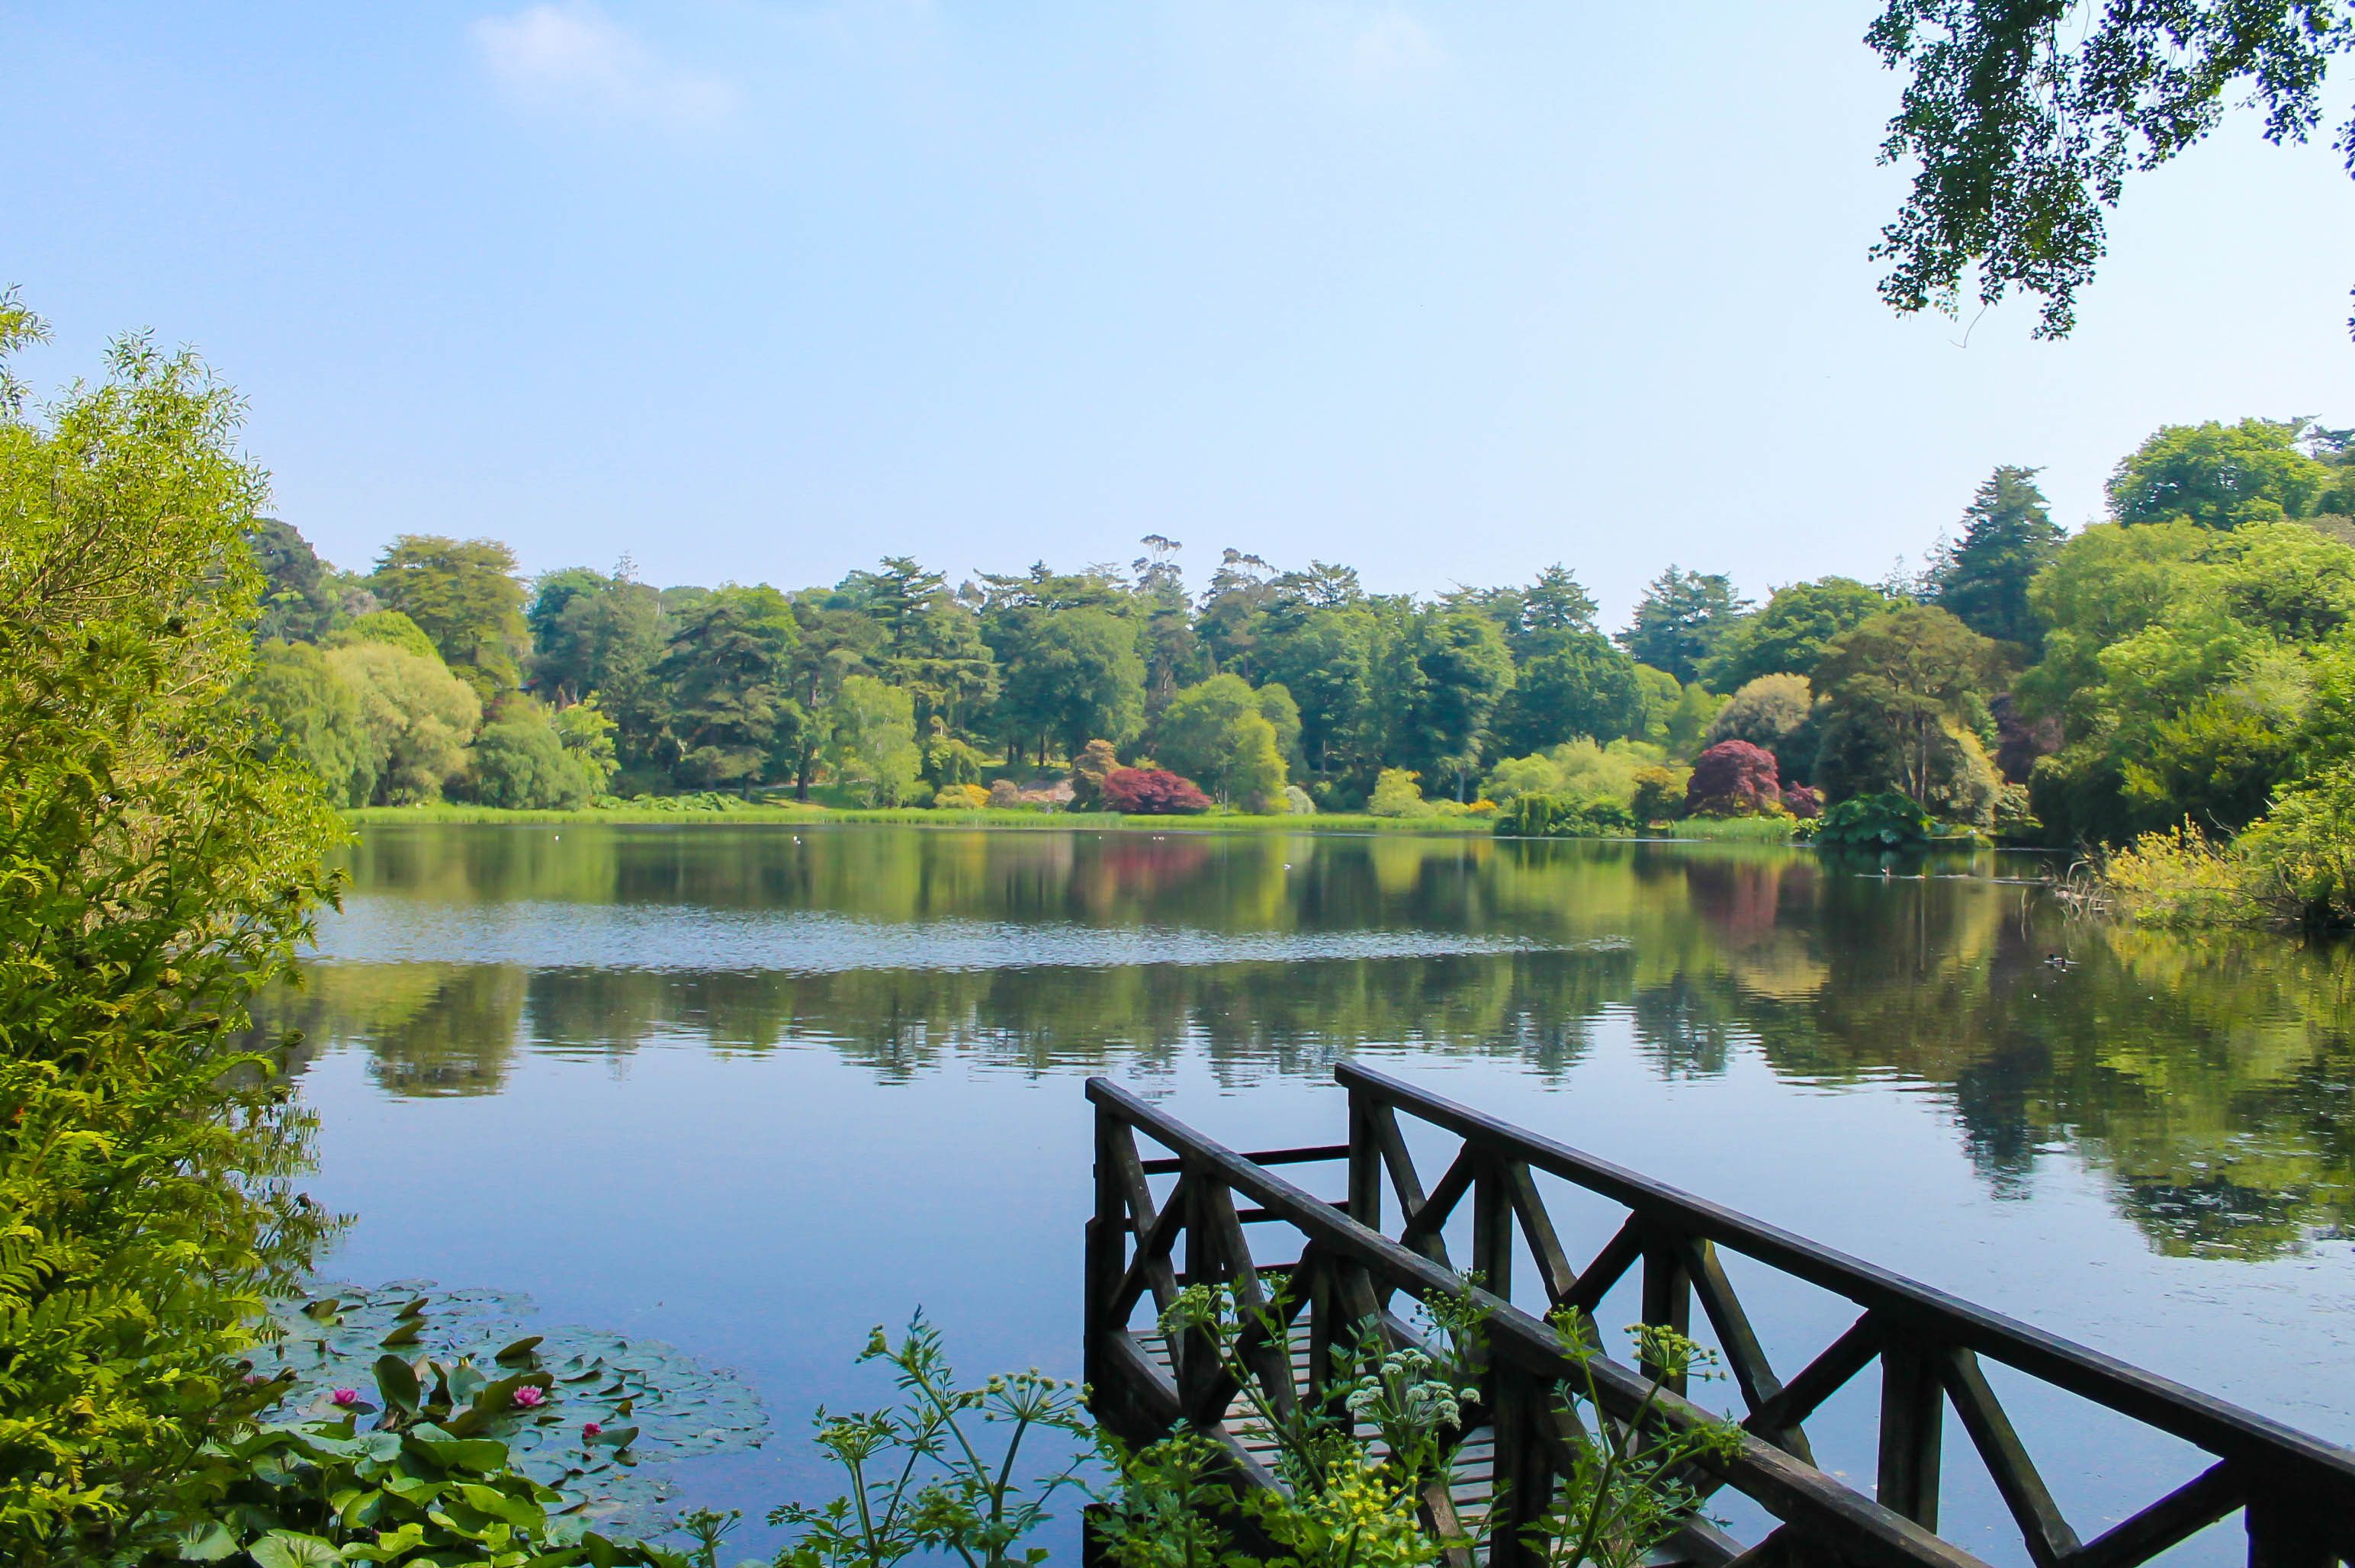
154	871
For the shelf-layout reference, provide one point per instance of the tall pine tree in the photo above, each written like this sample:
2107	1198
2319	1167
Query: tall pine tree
2007	538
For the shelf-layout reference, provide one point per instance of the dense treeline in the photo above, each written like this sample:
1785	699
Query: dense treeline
2185	660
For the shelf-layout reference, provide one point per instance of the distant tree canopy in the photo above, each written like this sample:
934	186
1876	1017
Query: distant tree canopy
1790	634
2220	475
1680	619
463	594
2184	660
2024	119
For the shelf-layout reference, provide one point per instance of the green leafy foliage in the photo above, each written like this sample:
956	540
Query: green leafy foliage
1631	1484
871	740
155	869
463	593
417	716
1790	634
1230	739
2220	476
2182	667
1538	816
1682	619
326	1494
1905	709
521	759
1883	821
1398	793
2195	673
732	707
2023	124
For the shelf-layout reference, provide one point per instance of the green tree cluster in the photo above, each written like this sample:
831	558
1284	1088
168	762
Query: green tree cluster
1272	681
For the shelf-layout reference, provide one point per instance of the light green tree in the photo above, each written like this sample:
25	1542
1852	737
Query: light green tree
419	717
1076	678
384	626
519	762
1255	771
2220	475
1202	734
586	732
314	714
1905	708
156	870
1398	793
1790	634
871	740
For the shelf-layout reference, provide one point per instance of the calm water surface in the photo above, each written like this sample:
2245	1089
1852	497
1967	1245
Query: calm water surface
751	1089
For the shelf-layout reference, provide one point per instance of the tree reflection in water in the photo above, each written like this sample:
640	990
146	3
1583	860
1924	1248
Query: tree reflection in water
2208	1076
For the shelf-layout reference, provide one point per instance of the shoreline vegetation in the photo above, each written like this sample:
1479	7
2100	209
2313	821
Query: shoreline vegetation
1695	830
2190	662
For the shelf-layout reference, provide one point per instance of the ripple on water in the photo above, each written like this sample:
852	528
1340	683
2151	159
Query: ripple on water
550	936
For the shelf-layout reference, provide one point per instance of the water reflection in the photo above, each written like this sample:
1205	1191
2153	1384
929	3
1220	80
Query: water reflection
2210	1077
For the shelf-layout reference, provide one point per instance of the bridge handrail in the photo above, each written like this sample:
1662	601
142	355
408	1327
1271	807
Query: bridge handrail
1792	1490
2202	1420
2214	1425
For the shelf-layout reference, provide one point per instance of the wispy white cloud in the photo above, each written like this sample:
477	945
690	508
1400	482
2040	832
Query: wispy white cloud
1391	46
572	55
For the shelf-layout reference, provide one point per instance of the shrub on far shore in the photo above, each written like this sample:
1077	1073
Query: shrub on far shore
1396	793
1153	792
1733	778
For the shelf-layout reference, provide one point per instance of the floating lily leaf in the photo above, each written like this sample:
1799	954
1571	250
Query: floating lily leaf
457	1452
395	1380
676	1407
321	1311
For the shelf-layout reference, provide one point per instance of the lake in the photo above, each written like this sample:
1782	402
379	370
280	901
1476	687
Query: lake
751	1089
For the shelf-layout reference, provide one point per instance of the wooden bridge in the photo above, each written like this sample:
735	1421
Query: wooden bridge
1198	1212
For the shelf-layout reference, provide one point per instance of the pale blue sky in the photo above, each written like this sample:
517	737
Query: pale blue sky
765	289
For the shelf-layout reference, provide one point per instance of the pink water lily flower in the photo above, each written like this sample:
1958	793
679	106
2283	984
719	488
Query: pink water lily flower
589	1429
346	1396
529	1398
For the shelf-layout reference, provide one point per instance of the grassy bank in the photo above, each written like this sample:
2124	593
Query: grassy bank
1727	830
810	816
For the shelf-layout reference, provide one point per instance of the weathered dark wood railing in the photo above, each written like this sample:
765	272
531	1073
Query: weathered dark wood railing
2297	1493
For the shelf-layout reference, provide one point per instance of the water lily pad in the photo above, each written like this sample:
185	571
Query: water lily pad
654	1403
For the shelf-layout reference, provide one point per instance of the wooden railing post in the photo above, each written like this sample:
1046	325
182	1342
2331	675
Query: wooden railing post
1106	1261
1365	1200
1518	1405
2289	1528
1195	1354
1492	1230
1912	1429
1667	1298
